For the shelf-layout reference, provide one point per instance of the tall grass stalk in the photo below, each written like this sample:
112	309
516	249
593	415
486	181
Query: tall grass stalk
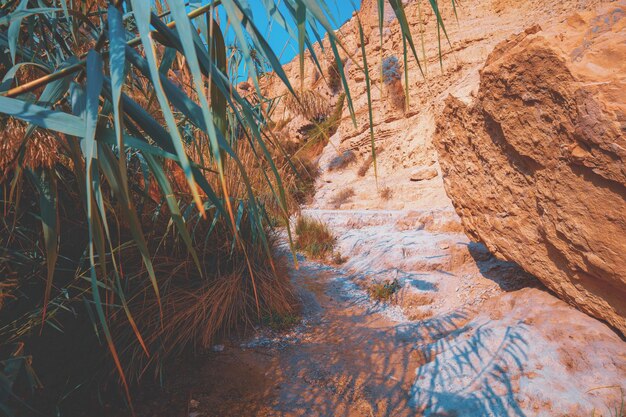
138	187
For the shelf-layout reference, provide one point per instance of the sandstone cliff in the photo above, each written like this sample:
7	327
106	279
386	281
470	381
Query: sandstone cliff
557	206
536	165
404	137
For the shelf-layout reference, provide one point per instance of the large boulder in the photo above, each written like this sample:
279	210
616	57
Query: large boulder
536	165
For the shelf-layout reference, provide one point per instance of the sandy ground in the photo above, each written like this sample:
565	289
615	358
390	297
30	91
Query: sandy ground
467	335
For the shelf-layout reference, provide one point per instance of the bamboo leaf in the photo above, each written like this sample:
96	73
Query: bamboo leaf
301	22
369	94
117	64
94	86
168	193
40	116
115	180
398	9
45	182
141	10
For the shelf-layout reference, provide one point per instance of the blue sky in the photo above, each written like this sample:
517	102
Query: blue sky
341	11
285	47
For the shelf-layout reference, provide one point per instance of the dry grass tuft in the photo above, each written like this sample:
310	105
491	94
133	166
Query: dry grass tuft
342	197
383	291
385	193
198	309
333	77
314	238
310	104
40	150
339	259
365	166
367	162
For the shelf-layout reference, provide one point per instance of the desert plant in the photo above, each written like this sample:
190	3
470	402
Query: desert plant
314	238
365	166
385	193
342	160
392	77
316	135
338	258
302	156
341	197
383	291
392	72
310	104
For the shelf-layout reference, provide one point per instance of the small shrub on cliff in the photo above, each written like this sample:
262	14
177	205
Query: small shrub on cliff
342	160
365	166
392	74
300	168
391	70
316	135
333	77
314	238
311	105
367	162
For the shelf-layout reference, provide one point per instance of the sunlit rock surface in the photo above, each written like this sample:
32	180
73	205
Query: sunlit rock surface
536	165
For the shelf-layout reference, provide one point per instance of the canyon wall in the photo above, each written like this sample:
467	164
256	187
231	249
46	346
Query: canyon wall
531	146
536	164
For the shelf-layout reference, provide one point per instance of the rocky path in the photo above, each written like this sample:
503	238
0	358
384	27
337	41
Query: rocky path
466	335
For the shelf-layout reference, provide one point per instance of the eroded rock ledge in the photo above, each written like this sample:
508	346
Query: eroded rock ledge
536	165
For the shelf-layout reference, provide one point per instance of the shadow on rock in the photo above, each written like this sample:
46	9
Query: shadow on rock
508	275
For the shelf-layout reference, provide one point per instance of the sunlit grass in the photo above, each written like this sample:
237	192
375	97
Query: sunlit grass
314	238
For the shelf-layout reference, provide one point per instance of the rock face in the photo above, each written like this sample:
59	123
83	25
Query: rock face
404	138
536	165
424	173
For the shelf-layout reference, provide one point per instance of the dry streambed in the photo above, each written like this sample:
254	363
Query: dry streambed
464	334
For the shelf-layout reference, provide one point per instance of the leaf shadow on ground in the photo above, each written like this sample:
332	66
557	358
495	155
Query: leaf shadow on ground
355	363
348	358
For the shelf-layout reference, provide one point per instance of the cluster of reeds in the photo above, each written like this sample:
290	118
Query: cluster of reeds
310	104
317	133
137	187
314	238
